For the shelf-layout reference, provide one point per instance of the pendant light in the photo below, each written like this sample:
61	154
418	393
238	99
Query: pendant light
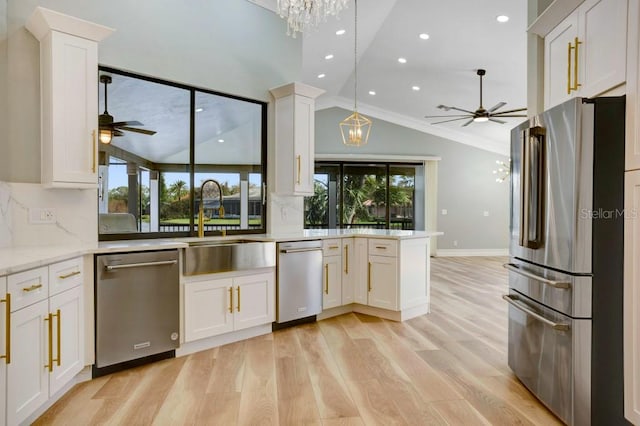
355	128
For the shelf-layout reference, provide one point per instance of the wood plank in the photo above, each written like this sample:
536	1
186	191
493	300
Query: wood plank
374	404
459	412
258	401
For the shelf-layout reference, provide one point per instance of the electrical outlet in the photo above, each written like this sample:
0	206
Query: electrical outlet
444	212
455	243
42	215
486	213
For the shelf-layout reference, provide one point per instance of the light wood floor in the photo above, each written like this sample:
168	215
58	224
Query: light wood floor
448	367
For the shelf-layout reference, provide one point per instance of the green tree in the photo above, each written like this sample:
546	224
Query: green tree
316	205
176	189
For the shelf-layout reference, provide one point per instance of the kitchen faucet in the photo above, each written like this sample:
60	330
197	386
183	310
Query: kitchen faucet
201	209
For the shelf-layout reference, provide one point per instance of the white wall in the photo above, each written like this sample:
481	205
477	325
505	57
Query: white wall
6	239
466	186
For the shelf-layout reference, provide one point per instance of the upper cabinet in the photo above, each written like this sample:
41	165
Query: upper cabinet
68	97
585	55
294	159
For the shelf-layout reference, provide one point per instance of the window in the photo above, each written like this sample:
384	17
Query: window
356	195
150	185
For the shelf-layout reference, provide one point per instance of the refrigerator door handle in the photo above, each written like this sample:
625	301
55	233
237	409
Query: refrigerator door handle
513	301
532	187
552	283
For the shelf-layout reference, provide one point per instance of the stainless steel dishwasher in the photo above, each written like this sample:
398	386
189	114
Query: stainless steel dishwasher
299	269
137	308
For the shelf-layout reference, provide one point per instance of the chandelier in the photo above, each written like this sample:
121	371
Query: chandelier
504	170
302	13
355	128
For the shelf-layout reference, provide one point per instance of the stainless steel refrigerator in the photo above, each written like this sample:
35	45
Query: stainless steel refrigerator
566	259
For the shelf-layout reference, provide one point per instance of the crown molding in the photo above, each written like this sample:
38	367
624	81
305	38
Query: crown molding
325	102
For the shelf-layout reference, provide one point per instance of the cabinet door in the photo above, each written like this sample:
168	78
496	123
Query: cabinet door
70	110
632	297
303	135
255	297
68	334
332	282
3	349
383	282
559	62
27	376
348	271
360	274
208	307
602	29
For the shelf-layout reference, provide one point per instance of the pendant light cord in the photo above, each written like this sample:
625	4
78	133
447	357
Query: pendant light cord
355	58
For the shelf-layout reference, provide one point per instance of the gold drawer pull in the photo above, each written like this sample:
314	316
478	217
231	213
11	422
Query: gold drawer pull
569	48
69	275
298	159
381	247
333	247
575	64
346	263
49	321
369	277
230	300
326	278
238	298
32	288
7	323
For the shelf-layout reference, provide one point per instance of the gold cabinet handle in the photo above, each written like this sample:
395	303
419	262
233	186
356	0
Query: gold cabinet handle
93	143
575	64
333	247
326	278
369	277
569	48
381	247
238	298
49	321
346	260
230	300
58	338
299	160
69	275
7	332
32	288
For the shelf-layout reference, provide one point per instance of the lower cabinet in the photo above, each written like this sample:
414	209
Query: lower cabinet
46	345
359	271
4	310
383	282
332	282
214	306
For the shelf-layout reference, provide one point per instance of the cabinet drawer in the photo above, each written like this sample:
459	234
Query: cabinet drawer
28	287
65	275
332	247
380	247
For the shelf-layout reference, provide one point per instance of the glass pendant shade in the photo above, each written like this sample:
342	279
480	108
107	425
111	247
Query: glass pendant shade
105	135
303	13
355	129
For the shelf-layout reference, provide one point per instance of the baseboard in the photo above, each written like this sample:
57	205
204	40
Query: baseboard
471	252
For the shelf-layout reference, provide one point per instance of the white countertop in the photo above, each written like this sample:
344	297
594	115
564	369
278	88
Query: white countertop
16	259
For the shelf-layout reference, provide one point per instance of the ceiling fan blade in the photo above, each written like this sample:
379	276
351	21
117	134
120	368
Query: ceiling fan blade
508	115
126	123
497	106
463	110
117	132
133	129
467	123
446	121
509	111
497	121
445	116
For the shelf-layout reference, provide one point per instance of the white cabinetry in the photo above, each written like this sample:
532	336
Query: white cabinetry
214	305
294	152
349	269
332	273
383	274
632	297
68	97
5	358
47	335
585	54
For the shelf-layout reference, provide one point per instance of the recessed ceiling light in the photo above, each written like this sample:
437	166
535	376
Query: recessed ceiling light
321	75
220	140
502	18
415	88
329	56
372	92
199	109
424	36
402	60
341	32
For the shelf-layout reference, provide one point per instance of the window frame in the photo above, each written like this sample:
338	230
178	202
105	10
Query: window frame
191	167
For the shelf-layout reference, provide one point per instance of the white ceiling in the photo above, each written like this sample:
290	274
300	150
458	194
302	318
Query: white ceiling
464	36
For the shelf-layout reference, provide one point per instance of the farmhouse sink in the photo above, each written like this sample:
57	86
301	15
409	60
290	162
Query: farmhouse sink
213	256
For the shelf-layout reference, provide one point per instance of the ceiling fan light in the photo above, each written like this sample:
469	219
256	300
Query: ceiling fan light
105	136
481	119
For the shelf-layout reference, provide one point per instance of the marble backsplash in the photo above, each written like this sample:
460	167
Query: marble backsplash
6	239
75	211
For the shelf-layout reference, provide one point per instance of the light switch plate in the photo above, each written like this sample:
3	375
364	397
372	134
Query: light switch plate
38	215
444	212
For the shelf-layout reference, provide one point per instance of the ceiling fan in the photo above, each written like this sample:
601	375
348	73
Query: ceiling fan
108	128
481	114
